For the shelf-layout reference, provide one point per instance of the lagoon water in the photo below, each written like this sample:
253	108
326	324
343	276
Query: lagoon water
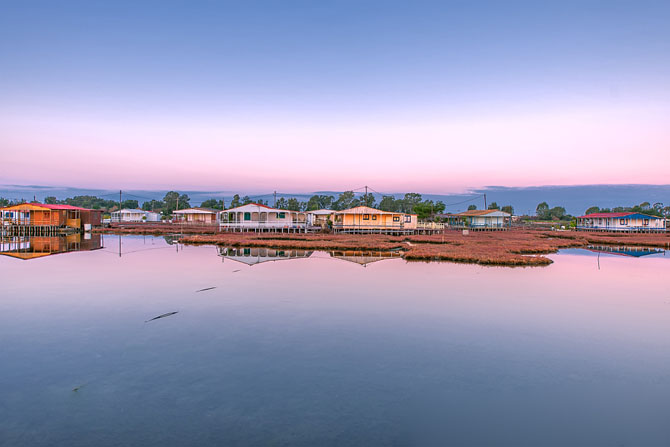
322	350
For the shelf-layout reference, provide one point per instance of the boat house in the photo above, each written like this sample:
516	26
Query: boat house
624	221
258	217
364	219
40	218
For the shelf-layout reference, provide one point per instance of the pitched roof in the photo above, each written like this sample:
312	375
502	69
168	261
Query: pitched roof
256	207
196	210
130	210
621	214
44	206
364	210
474	213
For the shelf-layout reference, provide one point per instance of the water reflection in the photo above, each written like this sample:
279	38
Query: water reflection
321	353
258	255
365	257
635	252
33	247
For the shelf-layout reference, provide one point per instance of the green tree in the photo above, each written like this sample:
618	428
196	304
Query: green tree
408	202
317	202
153	205
90	202
389	203
51	200
235	202
507	209
542	211
213	204
557	213
472	207
368	200
130	204
246	200
282	203
423	210
592	210
494	206
173	199
293	204
346	200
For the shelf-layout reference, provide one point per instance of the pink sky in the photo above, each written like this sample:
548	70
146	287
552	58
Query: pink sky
436	153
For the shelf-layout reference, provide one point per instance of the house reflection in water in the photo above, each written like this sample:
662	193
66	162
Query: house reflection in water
32	247
625	251
364	257
257	255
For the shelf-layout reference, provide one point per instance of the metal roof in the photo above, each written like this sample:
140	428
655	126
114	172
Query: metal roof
622	214
366	210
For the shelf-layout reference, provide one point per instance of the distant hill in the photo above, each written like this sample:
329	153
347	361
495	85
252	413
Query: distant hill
575	199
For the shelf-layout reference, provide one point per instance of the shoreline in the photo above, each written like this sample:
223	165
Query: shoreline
512	248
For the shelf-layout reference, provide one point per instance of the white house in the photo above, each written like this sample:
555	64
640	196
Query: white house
257	217
134	215
197	215
481	219
625	221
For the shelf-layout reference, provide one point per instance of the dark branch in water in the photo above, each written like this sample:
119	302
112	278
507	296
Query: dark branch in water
205	289
161	316
236	270
77	388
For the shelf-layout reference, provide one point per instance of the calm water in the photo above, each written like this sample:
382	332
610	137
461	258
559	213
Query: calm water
322	349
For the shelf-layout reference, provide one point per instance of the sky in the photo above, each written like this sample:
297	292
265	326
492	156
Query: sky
436	97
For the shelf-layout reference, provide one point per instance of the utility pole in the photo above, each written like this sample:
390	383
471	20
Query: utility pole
120	201
484	201
274	205
366	195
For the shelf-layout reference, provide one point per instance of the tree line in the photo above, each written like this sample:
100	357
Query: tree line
173	200
409	203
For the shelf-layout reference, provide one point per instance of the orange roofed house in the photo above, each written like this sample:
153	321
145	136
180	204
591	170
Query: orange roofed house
50	215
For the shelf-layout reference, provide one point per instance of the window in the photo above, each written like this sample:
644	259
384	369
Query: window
247	216
396	218
645	222
366	217
408	219
281	215
623	222
374	217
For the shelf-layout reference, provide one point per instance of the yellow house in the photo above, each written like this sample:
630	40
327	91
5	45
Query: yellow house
363	219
